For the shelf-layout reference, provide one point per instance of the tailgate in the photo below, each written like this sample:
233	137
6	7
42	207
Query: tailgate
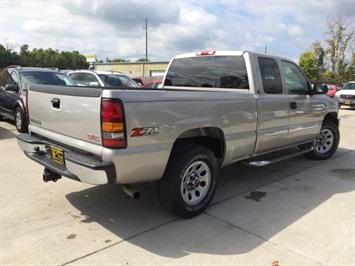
70	114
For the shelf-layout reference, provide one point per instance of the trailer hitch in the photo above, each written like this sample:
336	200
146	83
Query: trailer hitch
49	175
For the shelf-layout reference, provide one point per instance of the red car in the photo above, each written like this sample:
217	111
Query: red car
332	89
157	84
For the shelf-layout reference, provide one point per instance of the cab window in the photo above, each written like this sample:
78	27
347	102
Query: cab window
211	71
270	75
296	82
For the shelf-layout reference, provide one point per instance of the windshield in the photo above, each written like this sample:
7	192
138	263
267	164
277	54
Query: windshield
331	87
349	86
41	77
118	80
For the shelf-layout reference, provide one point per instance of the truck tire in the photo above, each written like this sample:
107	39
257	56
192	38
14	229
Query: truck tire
326	142
189	182
20	120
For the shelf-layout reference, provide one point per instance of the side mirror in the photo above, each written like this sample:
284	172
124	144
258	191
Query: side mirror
320	88
94	84
11	87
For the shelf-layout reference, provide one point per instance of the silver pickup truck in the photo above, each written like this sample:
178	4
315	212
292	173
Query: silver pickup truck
215	108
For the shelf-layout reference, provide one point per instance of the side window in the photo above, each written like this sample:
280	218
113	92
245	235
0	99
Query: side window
296	82
270	75
78	77
90	78
4	78
13	79
150	85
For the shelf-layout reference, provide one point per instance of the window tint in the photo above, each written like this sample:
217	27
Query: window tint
270	75
208	71
118	80
13	79
296	82
90	78
349	86
331	87
158	85
148	86
78	77
51	78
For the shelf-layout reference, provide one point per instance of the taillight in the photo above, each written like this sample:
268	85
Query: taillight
206	53
113	124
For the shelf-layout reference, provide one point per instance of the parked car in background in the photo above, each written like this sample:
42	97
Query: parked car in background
138	80
157	84
102	79
332	89
346	96
14	82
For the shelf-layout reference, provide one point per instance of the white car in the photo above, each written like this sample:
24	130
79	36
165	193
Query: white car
346	96
102	79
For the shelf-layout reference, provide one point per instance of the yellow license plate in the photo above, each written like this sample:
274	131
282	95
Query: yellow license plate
347	102
57	155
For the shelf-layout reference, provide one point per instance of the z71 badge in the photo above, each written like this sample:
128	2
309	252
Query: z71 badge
145	131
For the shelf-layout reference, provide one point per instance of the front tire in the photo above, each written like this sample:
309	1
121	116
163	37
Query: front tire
189	182
20	120
326	142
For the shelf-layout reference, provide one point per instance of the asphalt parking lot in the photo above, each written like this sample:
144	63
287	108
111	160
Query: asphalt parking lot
296	212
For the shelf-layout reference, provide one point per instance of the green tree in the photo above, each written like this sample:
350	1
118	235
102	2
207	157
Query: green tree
312	61
39	57
8	57
142	60
339	41
118	60
307	62
25	55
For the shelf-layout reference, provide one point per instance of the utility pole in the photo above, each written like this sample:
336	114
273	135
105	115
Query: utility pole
146	39
265	49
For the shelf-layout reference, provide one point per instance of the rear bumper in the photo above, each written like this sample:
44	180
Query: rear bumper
77	165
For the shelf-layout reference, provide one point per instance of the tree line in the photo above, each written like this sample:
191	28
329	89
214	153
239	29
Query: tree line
42	58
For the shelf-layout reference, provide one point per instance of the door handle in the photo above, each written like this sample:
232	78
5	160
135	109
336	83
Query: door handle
293	105
55	103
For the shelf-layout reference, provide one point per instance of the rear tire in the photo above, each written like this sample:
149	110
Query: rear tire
20	120
189	182
326	142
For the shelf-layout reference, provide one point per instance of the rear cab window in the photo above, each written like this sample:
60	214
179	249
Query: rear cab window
208	72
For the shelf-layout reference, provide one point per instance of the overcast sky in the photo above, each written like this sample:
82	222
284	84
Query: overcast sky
116	28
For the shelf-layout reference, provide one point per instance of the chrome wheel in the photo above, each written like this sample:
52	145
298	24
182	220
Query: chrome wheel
195	182
324	141
18	119
189	181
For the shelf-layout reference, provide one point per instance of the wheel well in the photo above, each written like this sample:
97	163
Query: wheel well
17	104
332	117
209	137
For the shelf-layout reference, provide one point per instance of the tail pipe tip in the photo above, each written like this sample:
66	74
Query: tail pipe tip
132	192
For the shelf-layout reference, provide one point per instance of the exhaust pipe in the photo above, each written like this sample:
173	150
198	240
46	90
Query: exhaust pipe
133	193
49	175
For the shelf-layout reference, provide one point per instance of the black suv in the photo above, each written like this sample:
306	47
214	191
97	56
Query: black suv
14	82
